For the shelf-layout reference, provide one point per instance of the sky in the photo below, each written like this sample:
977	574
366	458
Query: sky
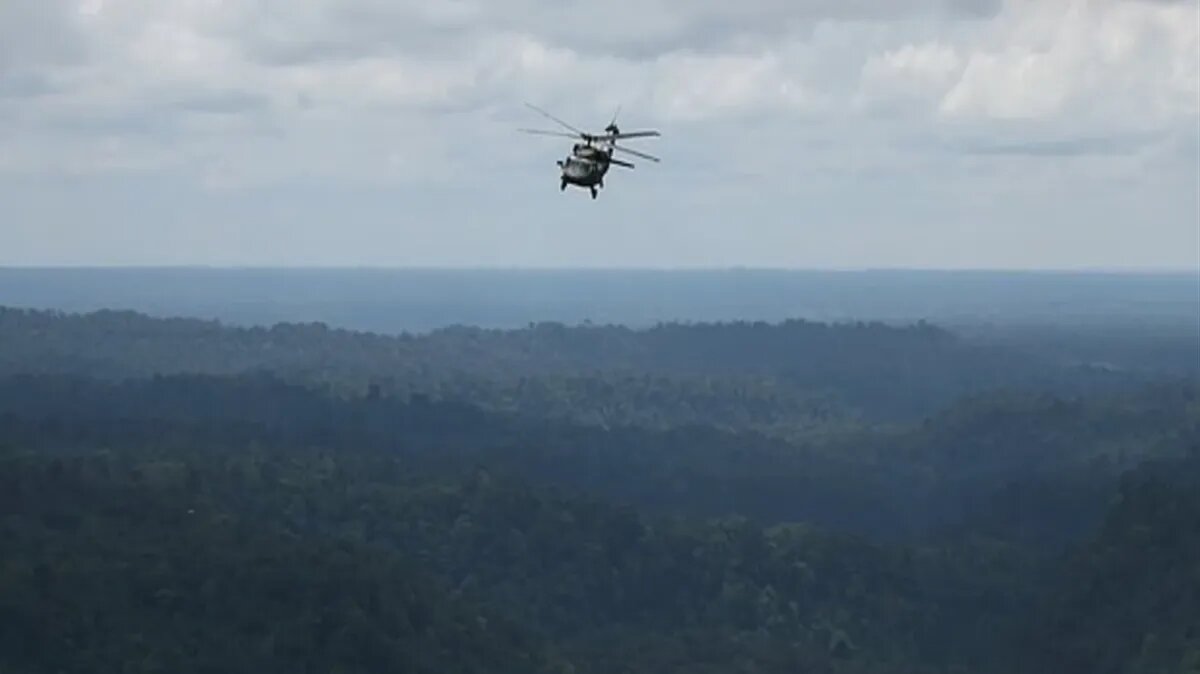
1014	134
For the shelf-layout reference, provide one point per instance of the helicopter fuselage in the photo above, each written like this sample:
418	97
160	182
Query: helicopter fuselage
583	172
586	166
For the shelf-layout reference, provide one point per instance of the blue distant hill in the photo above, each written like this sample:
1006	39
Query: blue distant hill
417	300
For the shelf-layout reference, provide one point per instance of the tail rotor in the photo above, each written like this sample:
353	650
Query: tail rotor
612	128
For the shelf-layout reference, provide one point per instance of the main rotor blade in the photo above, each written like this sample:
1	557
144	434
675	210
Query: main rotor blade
552	117
635	153
539	132
633	134
620	162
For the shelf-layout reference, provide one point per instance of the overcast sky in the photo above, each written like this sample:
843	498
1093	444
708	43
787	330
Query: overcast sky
796	133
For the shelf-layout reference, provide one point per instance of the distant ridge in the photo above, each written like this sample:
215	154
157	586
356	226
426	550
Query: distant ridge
398	300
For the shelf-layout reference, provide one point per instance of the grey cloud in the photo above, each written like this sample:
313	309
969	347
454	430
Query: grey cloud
343	42
1117	145
310	92
283	52
162	116
25	84
221	103
324	31
37	32
1183	149
104	122
632	29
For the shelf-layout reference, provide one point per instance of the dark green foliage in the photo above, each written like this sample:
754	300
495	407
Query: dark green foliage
305	560
1032	469
119	562
1043	468
824	371
1129	601
253	522
687	498
762	403
1168	346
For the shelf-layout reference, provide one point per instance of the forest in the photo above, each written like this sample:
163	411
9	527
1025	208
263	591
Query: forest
179	495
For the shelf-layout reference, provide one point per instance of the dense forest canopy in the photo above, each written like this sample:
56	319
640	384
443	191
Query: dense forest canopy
786	377
184	496
893	484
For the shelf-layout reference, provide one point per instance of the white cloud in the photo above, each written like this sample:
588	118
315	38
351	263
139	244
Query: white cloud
692	87
753	96
913	73
1120	63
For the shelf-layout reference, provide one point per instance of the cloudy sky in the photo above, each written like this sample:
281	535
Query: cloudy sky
796	133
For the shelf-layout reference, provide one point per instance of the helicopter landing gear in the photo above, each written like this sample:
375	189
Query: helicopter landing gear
593	191
563	186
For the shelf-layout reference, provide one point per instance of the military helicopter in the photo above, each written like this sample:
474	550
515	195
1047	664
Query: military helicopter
589	161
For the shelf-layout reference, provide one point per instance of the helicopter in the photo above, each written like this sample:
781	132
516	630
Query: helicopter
590	160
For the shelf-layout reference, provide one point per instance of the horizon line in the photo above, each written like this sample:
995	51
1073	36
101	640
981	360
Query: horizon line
611	268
